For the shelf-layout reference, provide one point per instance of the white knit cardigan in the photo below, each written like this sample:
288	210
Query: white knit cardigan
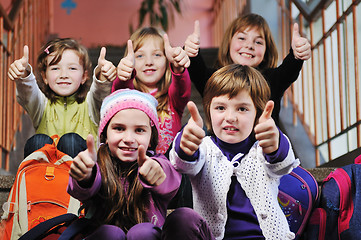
210	176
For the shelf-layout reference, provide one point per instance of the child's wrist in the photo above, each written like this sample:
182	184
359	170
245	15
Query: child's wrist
177	70
28	71
98	76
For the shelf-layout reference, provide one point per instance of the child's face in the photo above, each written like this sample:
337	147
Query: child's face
127	130
150	62
65	77
247	47
232	119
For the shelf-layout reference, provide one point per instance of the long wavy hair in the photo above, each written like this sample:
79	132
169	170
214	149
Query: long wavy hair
138	38
240	24
58	46
122	200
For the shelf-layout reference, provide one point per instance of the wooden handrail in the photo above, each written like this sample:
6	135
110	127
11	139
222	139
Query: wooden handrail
27	23
311	11
8	25
333	73
17	4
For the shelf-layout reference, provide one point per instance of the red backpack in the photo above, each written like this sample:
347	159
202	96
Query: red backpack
39	192
338	215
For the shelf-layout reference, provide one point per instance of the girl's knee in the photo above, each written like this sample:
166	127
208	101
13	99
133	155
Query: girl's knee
107	232
72	144
35	143
184	216
143	231
185	223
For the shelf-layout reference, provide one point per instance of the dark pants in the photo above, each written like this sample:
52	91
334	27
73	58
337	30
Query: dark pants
181	224
185	223
69	143
141	231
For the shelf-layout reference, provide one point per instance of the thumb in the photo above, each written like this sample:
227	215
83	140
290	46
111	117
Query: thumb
197	30
102	54
90	143
195	116
130	49
25	58
167	45
142	157
295	32
267	112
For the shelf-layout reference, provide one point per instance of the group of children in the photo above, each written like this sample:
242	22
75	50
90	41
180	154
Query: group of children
118	126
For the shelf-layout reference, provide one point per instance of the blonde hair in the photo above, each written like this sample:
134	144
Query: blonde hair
240	24
231	80
58	46
138	38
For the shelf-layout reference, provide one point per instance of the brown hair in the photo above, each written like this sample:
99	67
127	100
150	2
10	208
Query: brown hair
116	204
138	38
232	79
242	23
58	46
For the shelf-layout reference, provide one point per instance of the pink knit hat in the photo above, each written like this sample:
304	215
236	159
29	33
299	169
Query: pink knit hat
125	99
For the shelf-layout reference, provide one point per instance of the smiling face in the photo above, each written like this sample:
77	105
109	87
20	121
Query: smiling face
232	119
150	62
247	47
65	77
127	130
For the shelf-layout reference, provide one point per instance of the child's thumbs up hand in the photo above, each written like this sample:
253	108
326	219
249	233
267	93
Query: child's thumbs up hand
301	46
266	130
191	45
18	69
193	132
149	169
126	65
107	69
82	166
176	56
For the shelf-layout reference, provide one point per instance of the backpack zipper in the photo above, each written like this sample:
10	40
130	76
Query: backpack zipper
29	204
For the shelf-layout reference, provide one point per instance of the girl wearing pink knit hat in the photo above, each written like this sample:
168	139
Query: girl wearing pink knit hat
125	188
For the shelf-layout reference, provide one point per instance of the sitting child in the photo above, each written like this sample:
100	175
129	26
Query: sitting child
125	187
235	171
62	98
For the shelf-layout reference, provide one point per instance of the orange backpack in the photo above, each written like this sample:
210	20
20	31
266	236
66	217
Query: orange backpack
39	192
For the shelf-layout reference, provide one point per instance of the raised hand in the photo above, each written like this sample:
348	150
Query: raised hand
193	132
266	130
176	56
149	169
126	65
301	46
18	69
107	69
82	166
191	45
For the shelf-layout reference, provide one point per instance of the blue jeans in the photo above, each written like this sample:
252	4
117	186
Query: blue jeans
69	143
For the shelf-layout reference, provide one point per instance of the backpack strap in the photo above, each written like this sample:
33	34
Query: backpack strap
346	204
75	228
44	227
358	159
56	139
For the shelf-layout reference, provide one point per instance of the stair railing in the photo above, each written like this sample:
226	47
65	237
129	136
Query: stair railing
326	96
325	99
26	23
